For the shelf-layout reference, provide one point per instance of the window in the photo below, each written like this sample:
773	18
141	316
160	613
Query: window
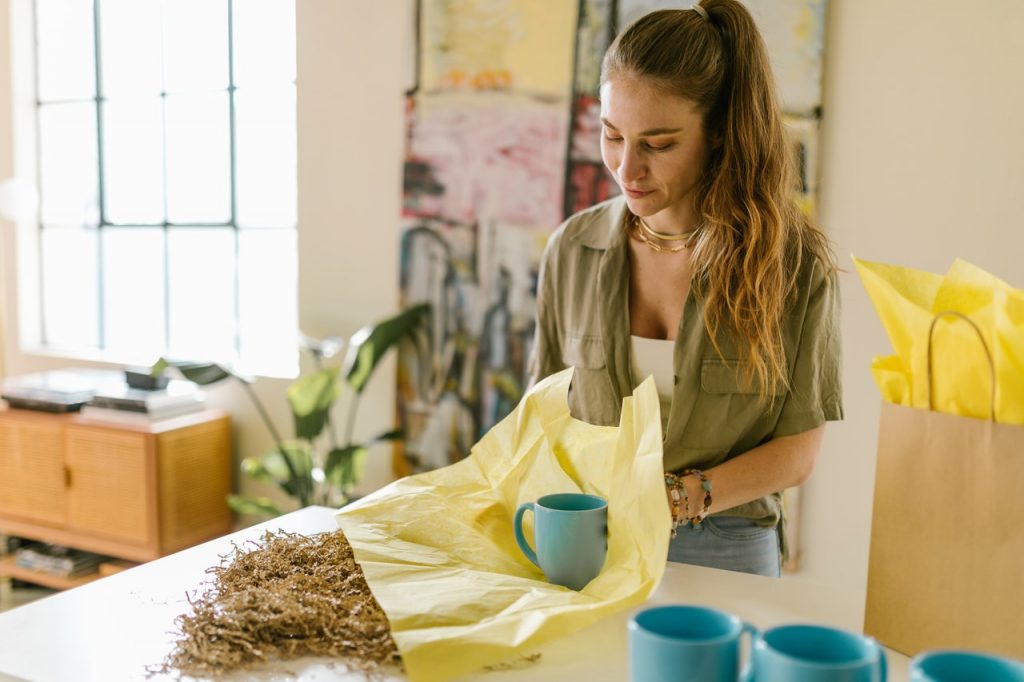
167	177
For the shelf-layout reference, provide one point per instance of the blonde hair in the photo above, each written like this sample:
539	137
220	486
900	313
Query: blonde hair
746	259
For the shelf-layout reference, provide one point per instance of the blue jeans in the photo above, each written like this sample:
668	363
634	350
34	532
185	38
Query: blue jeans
729	542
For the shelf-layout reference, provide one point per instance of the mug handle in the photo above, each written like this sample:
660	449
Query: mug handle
517	524
748	670
883	665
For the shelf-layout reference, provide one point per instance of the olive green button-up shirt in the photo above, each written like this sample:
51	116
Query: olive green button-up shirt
583	322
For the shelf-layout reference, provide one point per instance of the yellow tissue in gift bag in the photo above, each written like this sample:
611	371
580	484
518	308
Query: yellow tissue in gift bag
961	380
439	554
1008	352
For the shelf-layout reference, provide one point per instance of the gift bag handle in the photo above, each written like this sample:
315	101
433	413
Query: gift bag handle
988	357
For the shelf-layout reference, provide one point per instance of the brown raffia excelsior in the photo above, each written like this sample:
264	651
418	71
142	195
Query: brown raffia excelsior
290	596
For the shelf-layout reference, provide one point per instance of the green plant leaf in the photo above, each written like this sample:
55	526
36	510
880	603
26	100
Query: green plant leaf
368	345
311	398
257	470
344	466
256	506
337	457
356	469
158	367
299	485
203	373
273	463
392	435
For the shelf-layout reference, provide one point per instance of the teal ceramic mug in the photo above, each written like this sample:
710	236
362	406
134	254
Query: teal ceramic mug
964	666
571	536
683	642
815	653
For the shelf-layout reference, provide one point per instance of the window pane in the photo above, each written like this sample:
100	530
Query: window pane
130	47
201	263
67	164
133	161
198	158
70	315
210	292
66	51
268	305
264	41
133	292
265	144
196	45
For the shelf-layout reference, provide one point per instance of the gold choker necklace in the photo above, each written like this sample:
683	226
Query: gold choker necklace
646	235
665	237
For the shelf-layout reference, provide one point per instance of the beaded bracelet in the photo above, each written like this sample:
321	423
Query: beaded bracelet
705	485
680	501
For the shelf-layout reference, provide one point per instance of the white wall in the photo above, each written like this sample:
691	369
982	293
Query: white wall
922	161
351	145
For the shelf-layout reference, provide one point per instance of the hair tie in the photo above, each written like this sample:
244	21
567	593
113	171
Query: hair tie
701	11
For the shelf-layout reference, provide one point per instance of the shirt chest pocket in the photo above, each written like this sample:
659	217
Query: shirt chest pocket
727	408
583	352
591	395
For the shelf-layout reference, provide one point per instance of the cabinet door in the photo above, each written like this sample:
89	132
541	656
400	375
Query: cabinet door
110	491
32	469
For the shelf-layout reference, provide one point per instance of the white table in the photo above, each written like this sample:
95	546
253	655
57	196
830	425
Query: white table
111	629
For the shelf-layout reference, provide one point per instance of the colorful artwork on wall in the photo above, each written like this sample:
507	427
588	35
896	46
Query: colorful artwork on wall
518	46
503	143
488	128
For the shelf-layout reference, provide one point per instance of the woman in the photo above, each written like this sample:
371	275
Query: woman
705	274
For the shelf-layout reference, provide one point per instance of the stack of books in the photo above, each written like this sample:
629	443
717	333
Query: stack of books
57	560
62	390
124	404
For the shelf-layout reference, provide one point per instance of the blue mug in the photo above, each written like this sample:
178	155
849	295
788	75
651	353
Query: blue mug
571	535
964	666
672	643
815	653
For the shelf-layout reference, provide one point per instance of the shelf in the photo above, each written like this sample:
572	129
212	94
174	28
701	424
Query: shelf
76	539
10	569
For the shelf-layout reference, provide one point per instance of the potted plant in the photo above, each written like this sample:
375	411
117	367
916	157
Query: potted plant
315	466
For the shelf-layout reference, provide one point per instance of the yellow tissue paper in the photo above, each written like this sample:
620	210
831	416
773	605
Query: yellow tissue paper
439	553
907	301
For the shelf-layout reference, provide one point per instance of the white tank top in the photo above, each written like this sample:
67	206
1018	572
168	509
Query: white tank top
653	357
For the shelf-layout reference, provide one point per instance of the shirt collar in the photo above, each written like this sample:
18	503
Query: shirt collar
603	228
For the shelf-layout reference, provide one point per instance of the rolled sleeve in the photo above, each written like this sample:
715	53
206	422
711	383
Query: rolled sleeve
815	394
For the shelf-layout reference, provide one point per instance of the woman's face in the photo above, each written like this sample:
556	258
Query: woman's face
654	144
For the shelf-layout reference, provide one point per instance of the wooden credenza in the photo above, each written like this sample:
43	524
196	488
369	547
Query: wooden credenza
135	492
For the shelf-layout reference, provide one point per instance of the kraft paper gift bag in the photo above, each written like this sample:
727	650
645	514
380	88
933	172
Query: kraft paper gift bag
438	551
946	568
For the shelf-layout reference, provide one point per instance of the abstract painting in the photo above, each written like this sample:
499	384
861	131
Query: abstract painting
487	135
